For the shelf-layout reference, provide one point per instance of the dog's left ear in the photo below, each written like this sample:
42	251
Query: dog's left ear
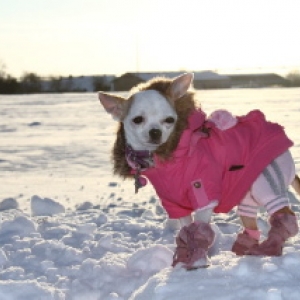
180	85
114	105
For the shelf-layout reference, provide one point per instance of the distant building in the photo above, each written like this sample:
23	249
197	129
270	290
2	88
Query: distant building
211	80
202	80
256	80
126	81
77	83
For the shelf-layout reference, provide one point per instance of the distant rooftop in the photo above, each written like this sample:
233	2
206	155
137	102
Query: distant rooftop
203	75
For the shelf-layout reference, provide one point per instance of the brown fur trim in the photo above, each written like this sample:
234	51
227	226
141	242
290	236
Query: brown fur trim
120	164
183	106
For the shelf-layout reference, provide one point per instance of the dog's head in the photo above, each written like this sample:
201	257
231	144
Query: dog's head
153	116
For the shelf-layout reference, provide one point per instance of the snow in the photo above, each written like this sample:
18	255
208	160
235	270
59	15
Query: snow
69	229
45	207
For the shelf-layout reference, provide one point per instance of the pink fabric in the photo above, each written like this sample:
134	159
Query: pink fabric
243	243
283	226
255	234
221	166
193	242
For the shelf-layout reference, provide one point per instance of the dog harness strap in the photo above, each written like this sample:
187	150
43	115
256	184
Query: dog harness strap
138	160
137	183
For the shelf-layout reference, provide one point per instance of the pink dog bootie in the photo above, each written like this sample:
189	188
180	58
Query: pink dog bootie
283	226
245	242
193	242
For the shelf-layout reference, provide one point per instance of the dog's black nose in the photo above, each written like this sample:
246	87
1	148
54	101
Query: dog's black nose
155	134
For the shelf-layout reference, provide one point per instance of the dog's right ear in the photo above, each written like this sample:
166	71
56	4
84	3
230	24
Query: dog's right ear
114	105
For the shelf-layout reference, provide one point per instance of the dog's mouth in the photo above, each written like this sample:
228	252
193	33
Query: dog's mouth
155	143
152	145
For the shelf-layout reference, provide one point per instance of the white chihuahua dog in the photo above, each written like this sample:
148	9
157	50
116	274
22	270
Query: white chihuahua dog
148	116
198	165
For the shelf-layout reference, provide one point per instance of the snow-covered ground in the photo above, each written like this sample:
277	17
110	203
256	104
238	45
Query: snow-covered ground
70	230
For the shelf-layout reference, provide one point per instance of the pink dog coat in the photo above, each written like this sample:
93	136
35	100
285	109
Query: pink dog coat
220	166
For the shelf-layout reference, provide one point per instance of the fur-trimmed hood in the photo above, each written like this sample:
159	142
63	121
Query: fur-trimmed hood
183	107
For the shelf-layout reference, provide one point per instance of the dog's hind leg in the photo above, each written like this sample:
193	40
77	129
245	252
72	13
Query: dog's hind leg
284	225
270	191
248	238
296	184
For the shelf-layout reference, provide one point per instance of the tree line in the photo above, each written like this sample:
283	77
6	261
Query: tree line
31	83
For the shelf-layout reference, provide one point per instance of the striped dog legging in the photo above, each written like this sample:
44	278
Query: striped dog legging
270	189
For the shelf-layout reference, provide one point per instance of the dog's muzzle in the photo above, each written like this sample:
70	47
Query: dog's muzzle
155	135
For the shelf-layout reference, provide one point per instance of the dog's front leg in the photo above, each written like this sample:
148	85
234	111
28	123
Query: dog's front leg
201	215
176	224
185	221
194	239
204	214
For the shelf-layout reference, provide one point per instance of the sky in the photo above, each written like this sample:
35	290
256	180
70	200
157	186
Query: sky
91	37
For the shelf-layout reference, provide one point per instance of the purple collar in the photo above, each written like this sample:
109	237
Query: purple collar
138	160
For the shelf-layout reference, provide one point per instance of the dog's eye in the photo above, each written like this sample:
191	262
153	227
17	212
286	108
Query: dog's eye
138	120
170	120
